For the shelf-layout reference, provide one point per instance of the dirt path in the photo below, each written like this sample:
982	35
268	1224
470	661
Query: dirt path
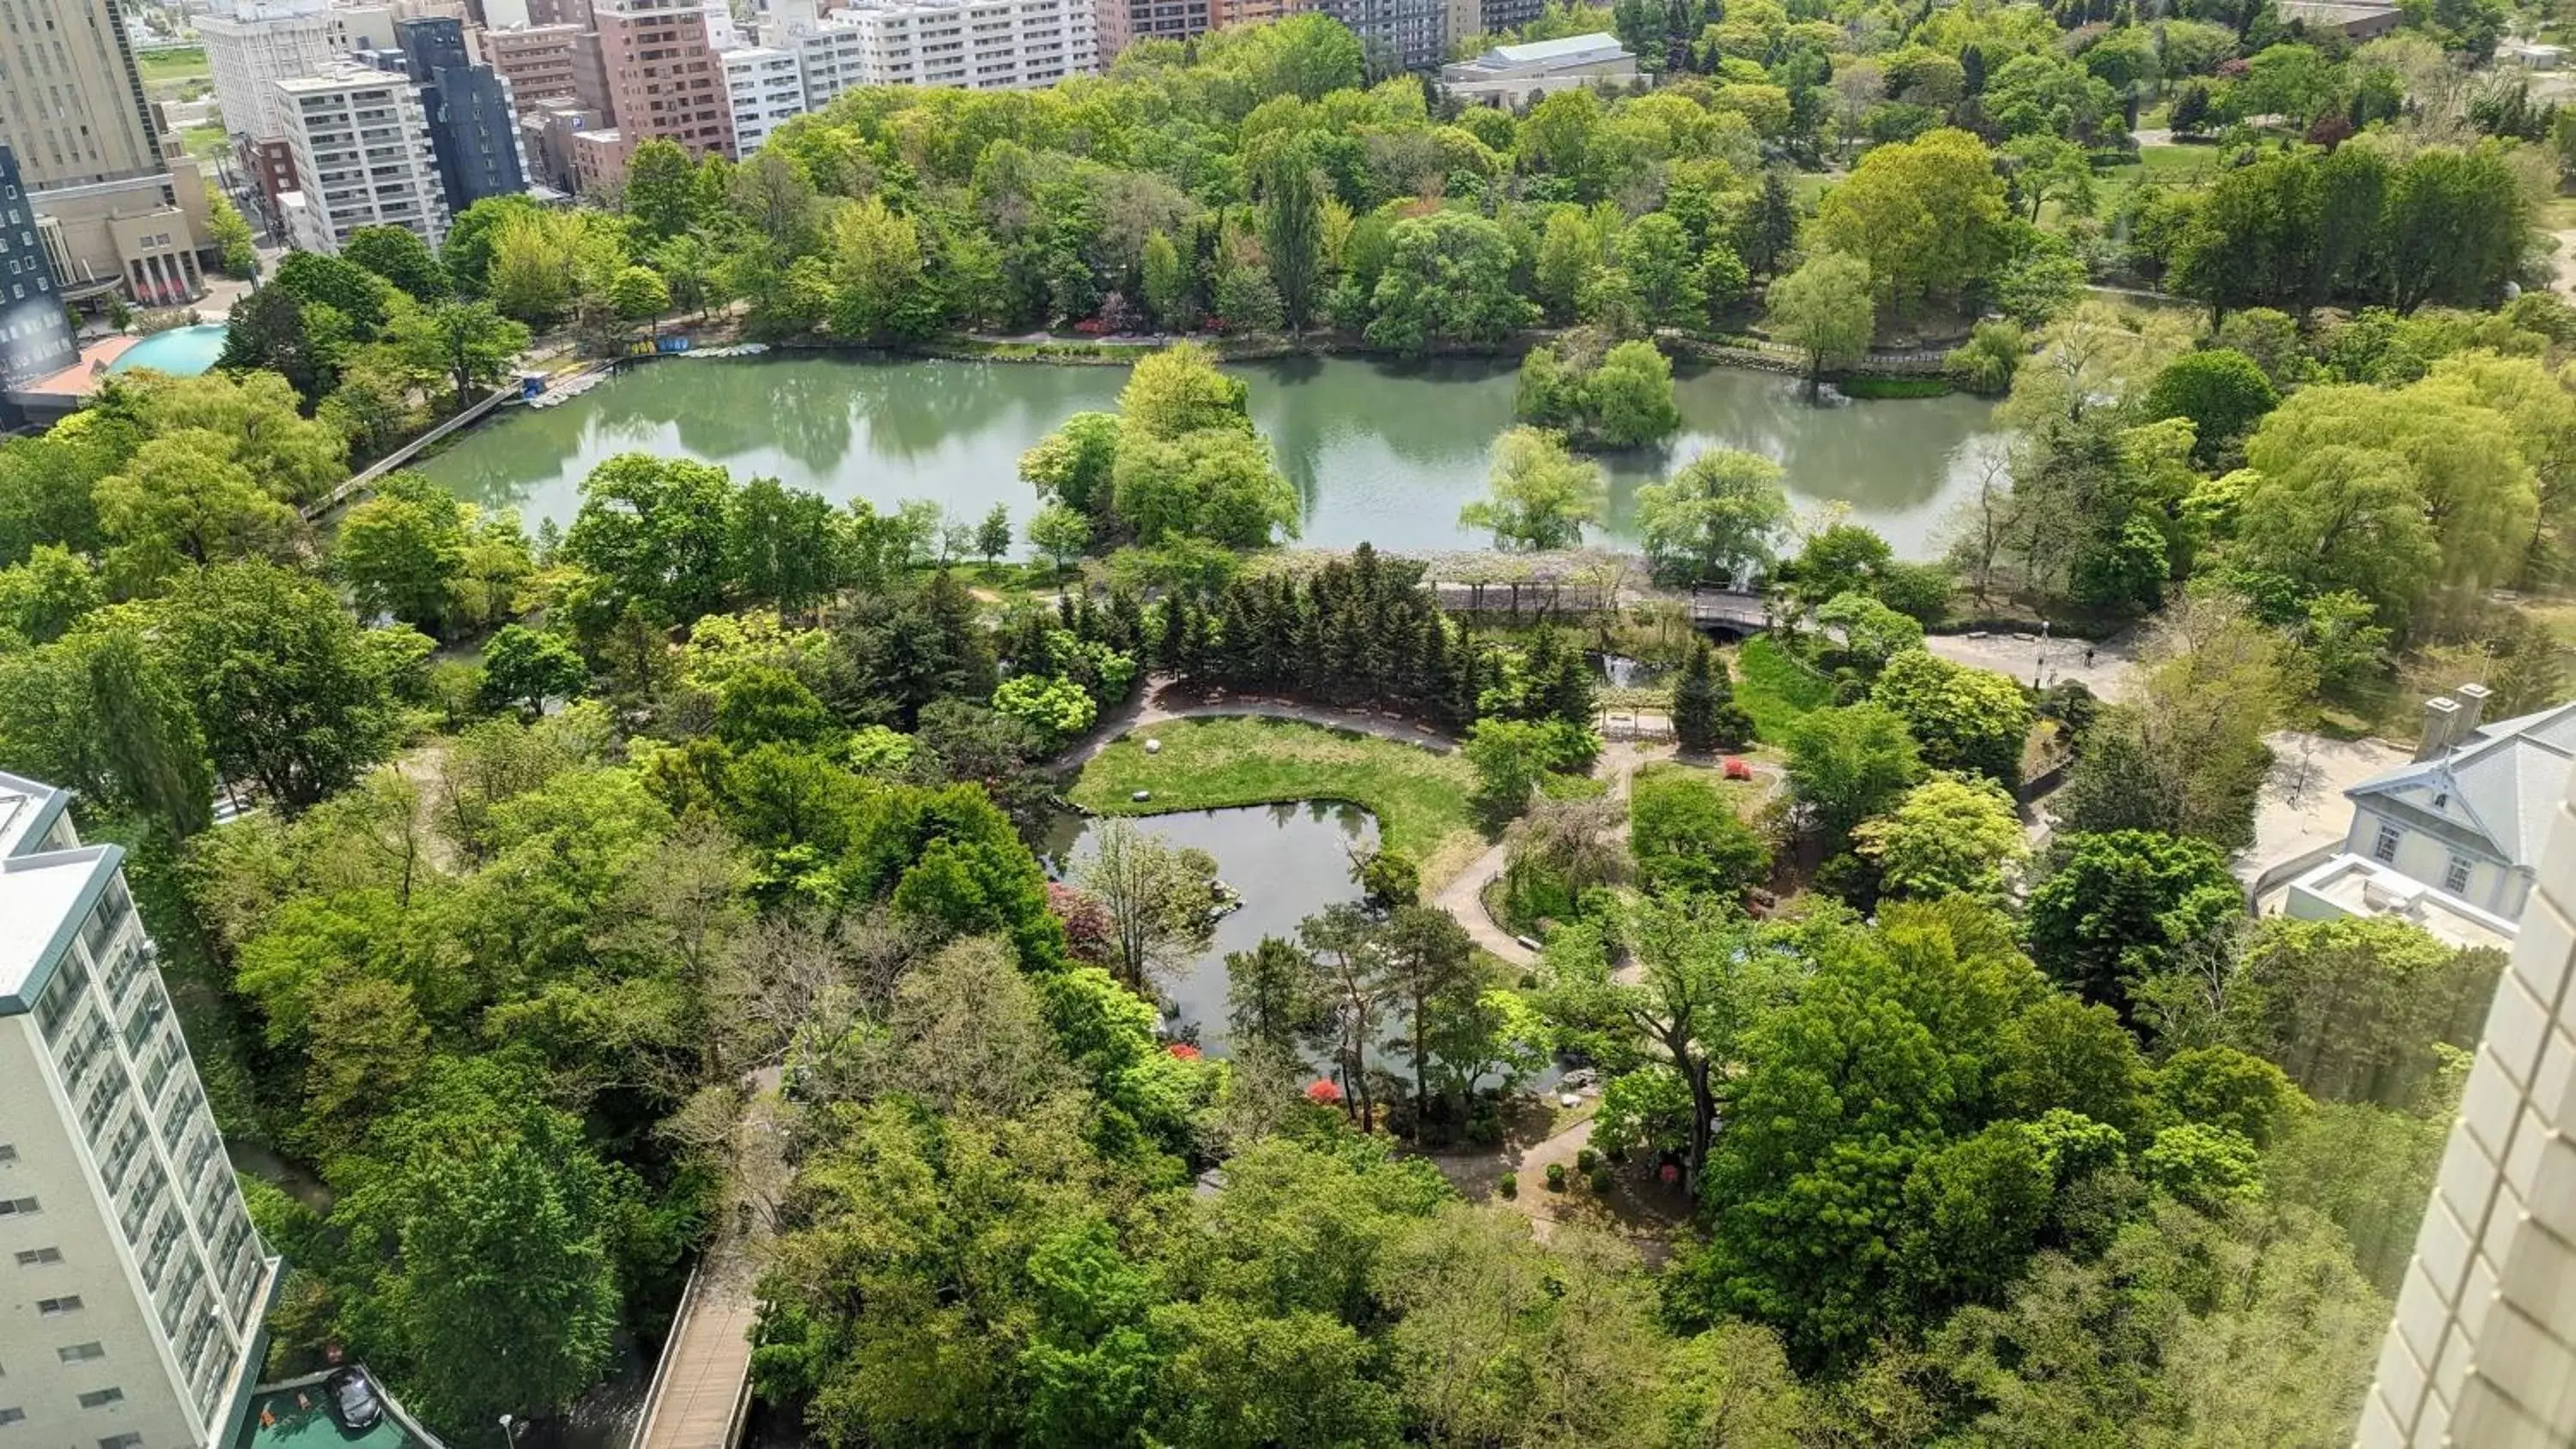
1645	1212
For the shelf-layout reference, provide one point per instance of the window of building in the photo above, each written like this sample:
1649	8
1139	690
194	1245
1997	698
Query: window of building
12	1416
8	1152
39	1257
2455	877
101	1398
17	1205
2384	849
57	1307
121	1441
81	1352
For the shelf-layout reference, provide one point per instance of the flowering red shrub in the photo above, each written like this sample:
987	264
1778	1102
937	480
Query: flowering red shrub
1323	1093
1184	1051
1092	327
1088	934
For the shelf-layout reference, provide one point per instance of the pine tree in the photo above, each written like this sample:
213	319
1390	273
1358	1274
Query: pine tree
1695	700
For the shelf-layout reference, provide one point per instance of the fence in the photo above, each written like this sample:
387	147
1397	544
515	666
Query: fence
1533	600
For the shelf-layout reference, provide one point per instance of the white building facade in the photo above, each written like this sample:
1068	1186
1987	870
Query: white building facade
137	1283
767	89
250	48
363	157
2483	1349
974	44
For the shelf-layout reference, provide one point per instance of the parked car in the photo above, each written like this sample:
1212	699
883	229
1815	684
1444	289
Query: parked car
353	1400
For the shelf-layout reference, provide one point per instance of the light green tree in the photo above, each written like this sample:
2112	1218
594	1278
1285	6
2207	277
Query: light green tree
1540	495
1824	310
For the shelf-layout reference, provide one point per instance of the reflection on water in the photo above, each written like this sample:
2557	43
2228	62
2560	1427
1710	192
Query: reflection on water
1289	861
1378	451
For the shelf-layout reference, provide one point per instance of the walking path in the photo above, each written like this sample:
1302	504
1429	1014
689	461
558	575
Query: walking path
702	1386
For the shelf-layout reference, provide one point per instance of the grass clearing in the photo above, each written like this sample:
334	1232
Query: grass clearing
1775	688
1419	797
172	63
1745	797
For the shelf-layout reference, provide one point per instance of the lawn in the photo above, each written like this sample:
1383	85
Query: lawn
1775	688
204	142
177	63
1418	797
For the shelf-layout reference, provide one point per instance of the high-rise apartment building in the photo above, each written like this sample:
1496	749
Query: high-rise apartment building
664	80
132	1315
473	121
363	153
71	100
251	47
766	90
35	337
1396	35
2483	1350
550	63
1121	23
975	44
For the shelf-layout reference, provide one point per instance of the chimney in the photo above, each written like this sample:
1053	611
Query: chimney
2473	708
2441	722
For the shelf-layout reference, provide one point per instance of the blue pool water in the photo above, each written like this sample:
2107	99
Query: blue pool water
180	352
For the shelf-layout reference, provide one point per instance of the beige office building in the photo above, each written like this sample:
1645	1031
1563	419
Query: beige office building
2483	1350
135	1284
363	158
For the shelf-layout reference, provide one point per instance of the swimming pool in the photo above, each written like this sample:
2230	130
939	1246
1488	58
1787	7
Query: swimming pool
181	351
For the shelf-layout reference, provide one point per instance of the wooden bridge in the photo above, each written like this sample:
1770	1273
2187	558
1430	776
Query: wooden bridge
1742	611
701	1390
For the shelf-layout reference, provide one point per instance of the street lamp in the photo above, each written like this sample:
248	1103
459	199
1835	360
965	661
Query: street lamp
510	1427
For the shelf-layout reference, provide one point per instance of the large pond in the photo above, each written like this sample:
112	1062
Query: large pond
1379	452
1289	861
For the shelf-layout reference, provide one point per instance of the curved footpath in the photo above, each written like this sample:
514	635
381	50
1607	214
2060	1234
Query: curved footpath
1463	898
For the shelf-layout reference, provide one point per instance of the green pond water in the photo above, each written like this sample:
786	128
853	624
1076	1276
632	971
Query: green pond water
1379	451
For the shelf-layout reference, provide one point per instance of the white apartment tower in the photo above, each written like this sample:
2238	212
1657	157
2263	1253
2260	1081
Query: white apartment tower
251	47
136	1285
2483	1350
983	45
767	91
362	156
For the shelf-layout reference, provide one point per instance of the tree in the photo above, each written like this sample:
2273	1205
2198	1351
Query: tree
1156	896
237	251
397	254
1339	942
1270	998
1569	256
2353	1010
1848	764
523	668
2454	230
2123	908
1925	216
501	1232
1061	533
652	533
1426	967
2188	755
1655	252
1541	495
1165	287
103	712
1074	465
1950	835
1870	632
993	535
339	283
467	254
266	330
1715	520
1705	715
288	690
184	499
1628	399
1292	226
2220	390
402	551
1960	718
468	341
659	181
1446	283
1687	837
1824	310
782	544
877	272
1699	986
638	294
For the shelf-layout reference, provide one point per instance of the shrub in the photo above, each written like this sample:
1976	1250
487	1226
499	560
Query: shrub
1600	1182
1586	1160
1556	1177
1509	1185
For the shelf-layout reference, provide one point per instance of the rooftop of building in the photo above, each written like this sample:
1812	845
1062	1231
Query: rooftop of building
293	1415
44	892
342	76
2352	885
2501	781
1599	45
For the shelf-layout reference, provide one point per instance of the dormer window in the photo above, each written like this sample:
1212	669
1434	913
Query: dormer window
2441	798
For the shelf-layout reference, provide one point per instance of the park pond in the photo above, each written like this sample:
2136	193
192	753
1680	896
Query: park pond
1379	452
1288	862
